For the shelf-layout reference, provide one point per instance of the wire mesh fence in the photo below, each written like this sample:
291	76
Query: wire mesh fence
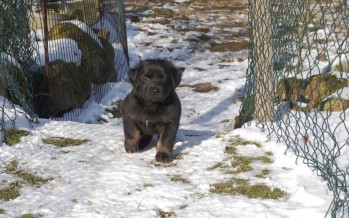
61	54
17	56
298	79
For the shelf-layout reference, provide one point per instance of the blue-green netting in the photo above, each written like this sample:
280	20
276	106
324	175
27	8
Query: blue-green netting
308	69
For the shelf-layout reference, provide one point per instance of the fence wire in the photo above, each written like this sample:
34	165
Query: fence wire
298	80
56	56
16	60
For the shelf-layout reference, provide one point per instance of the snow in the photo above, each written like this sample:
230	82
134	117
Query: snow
99	179
9	59
59	52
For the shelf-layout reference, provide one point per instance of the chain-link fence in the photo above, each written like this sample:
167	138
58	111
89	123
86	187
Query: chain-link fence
297	84
17	57
58	55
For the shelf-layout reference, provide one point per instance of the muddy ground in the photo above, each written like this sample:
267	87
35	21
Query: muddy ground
212	20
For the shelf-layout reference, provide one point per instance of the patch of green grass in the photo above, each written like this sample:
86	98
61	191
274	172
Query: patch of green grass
64	142
221	165
230	150
179	178
241	160
237	186
11	167
242	164
269	153
31	179
241	169
2	211
240	141
219	134
260	191
223	187
145	185
239	181
265	159
13	136
27	177
28	215
183	206
263	173
11	192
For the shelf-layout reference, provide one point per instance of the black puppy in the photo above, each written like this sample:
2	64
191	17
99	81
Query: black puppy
152	107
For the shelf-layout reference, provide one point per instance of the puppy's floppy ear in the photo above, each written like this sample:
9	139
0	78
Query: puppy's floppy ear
177	77
134	73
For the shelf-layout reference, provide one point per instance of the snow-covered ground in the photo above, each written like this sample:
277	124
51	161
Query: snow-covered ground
99	179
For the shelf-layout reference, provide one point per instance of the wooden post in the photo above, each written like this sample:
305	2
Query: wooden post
263	59
44	14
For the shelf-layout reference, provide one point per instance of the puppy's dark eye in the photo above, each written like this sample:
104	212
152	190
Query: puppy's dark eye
146	77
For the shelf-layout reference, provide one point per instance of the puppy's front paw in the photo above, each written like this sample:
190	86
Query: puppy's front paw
131	149
163	157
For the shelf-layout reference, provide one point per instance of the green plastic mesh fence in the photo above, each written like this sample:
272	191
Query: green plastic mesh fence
16	59
82	45
297	84
57	56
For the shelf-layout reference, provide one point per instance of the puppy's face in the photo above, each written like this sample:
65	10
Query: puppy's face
155	79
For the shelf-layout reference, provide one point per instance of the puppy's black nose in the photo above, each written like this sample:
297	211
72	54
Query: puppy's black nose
155	90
